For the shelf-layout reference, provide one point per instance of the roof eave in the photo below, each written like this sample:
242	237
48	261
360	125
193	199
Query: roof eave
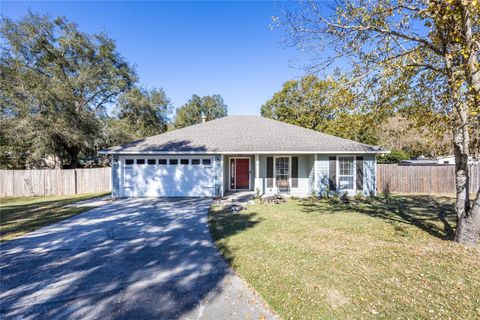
104	152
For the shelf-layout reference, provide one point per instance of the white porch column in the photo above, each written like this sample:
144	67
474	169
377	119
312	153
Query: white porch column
258	184
315	174
222	191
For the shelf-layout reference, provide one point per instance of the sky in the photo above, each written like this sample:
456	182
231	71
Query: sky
186	48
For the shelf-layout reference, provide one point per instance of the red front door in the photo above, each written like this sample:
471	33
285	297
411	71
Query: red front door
242	174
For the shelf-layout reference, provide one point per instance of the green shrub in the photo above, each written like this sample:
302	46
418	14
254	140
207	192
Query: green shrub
395	156
345	198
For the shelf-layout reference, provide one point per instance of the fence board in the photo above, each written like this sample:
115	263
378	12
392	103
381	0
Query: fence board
16	183
422	179
93	180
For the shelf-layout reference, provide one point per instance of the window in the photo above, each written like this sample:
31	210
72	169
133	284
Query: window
206	161
184	161
162	161
140	161
195	161
151	161
282	171
129	162
173	161
345	173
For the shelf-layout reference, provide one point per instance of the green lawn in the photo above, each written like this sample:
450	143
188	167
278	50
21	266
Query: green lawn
20	215
313	259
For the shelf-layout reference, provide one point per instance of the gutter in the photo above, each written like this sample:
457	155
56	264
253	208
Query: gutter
106	152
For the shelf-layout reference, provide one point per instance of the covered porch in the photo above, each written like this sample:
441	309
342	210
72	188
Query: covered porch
269	174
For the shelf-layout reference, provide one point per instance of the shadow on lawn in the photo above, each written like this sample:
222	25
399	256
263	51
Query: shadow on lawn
20	218
13	211
224	224
434	215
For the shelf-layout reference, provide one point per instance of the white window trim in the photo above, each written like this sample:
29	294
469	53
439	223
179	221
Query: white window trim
354	173
275	170
235	178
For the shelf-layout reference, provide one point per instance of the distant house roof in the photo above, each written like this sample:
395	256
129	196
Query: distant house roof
243	134
419	162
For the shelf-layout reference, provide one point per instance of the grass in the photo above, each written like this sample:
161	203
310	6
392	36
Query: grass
20	215
390	258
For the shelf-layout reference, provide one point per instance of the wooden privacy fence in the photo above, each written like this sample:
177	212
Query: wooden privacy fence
391	177
15	183
422	179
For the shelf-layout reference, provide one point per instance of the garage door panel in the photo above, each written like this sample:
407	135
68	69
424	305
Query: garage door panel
169	180
154	178
140	182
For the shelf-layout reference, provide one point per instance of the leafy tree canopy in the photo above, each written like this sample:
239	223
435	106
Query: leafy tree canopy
212	107
322	105
145	113
55	84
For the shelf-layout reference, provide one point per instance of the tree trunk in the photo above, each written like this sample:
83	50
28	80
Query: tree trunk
58	161
465	222
468	226
462	176
460	144
72	156
73	159
472	71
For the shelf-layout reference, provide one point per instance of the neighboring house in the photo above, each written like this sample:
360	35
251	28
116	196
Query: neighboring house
451	160
242	153
422	161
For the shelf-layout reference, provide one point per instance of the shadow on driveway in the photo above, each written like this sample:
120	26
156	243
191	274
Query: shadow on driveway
132	259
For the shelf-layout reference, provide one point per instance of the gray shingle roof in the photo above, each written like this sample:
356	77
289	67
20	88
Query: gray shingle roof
244	134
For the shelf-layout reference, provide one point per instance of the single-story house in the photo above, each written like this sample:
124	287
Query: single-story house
445	160
242	153
450	159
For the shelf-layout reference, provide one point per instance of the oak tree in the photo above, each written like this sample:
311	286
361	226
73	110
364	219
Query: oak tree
55	85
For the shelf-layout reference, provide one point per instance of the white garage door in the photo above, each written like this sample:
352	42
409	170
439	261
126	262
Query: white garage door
168	177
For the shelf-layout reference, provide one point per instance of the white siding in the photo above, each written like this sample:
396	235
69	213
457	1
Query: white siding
322	174
218	178
369	174
115	176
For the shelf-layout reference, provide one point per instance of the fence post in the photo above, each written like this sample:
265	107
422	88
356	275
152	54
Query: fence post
75	180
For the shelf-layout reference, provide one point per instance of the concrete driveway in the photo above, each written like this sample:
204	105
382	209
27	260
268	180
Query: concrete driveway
131	259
